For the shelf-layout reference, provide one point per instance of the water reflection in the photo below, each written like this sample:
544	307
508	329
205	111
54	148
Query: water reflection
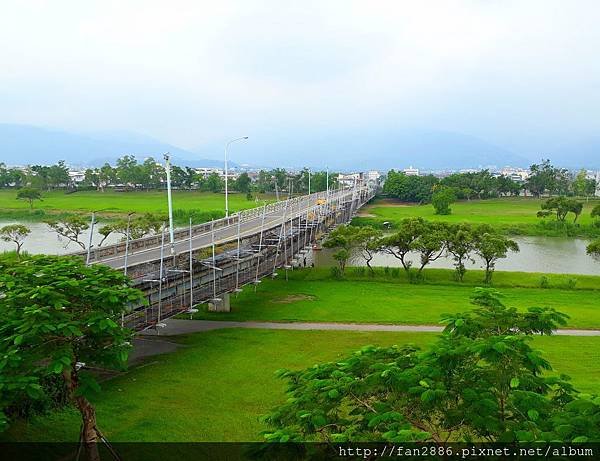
550	255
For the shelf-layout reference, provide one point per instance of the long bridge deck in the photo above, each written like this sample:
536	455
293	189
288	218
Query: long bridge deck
224	254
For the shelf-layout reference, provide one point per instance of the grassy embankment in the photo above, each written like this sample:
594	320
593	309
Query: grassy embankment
217	387
312	295
514	216
203	205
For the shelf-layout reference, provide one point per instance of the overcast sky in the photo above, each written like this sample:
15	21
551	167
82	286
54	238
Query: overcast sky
522	74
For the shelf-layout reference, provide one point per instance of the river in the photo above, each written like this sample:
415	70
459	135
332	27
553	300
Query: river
44	240
538	254
551	255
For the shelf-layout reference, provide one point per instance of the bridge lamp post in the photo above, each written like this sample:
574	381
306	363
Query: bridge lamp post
92	225
227	174
170	202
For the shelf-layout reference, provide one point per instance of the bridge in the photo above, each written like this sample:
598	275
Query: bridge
208	262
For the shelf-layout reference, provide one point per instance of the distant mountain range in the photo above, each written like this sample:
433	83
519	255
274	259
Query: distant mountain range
28	145
385	148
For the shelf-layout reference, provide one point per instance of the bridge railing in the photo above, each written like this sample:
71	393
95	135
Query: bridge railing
153	241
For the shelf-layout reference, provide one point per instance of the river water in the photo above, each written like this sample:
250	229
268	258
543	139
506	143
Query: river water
44	240
538	254
551	255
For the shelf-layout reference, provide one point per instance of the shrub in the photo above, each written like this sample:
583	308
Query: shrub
544	283
571	282
336	272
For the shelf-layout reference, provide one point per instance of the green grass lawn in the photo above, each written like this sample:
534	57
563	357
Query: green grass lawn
312	295
217	387
123	202
513	215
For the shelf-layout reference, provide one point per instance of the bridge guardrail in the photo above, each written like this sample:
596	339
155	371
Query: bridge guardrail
153	241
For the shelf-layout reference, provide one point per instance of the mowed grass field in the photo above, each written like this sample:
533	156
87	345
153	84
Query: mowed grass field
518	215
311	295
217	386
111	202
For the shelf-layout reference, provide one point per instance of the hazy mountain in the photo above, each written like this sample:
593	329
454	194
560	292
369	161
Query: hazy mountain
581	154
24	144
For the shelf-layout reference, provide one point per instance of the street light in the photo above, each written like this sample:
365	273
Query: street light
227	174
170	201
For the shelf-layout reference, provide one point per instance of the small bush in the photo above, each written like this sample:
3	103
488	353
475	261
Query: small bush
544	283
396	272
360	271
386	270
571	282
336	272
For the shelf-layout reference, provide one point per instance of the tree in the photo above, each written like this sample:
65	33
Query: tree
214	183
491	246
593	249
460	243
402	242
431	244
15	233
343	238
545	177
58	175
409	188
60	319
139	227
582	185
368	242
481	380
595	211
70	227
29	195
242	183
441	200
560	207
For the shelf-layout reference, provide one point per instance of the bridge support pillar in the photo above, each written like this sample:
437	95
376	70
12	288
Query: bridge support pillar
220	305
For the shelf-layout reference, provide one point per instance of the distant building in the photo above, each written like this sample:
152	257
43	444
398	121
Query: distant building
516	174
349	179
373	176
77	176
410	171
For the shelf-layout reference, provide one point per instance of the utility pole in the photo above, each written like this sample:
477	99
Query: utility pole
170	202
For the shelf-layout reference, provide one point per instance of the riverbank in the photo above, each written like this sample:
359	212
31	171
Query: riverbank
511	216
313	295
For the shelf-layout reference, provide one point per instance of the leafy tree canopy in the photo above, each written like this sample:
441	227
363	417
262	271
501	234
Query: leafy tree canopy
481	380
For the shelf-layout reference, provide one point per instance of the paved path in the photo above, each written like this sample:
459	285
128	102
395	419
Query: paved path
180	326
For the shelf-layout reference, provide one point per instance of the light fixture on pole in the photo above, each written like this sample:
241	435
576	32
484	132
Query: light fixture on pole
227	174
170	202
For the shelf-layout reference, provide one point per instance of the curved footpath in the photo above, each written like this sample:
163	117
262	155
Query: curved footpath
179	327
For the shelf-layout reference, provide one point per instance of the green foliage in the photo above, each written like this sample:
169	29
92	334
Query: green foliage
70	227
545	177
57	314
137	226
347	238
544	283
480	381
409	188
442	198
593	248
560	207
29	195
491	246
15	233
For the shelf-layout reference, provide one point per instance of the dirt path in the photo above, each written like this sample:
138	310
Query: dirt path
178	327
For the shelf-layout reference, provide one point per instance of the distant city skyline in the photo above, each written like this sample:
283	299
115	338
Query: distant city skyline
315	83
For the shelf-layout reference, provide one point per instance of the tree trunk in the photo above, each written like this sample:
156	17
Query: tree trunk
89	435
